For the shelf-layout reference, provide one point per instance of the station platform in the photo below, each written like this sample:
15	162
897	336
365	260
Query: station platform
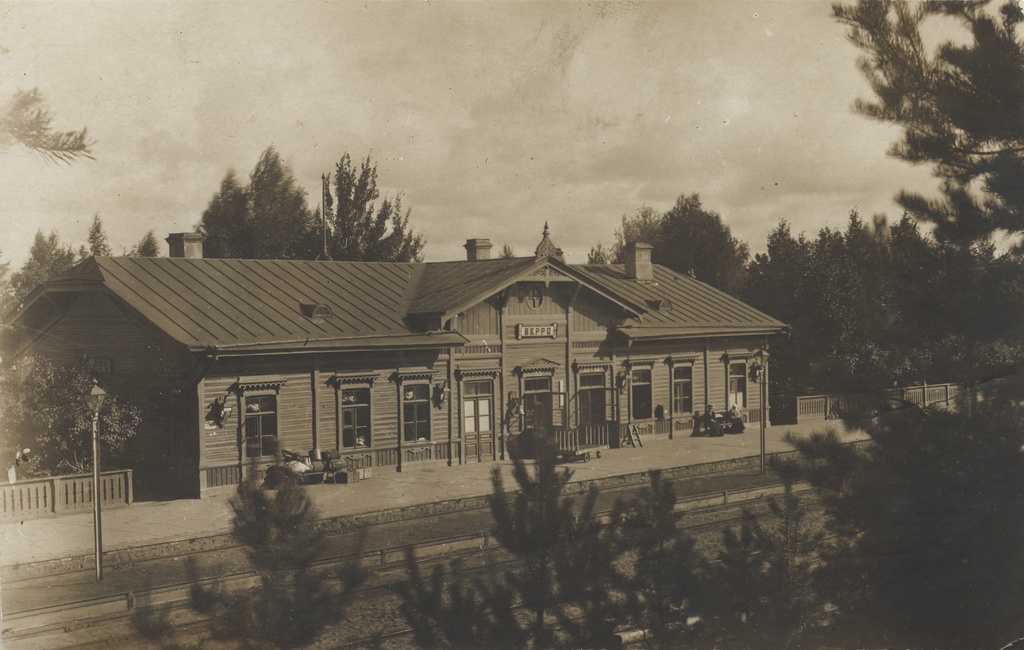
419	484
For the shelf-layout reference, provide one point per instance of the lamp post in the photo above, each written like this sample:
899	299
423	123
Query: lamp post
761	374
95	401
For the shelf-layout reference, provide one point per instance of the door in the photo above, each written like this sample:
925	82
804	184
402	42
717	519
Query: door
537	404
478	419
591	399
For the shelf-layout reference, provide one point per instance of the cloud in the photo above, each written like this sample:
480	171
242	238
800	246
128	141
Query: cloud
490	118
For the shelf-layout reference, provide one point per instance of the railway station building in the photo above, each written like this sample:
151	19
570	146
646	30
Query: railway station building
390	364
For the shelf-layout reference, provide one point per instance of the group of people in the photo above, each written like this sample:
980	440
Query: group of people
710	424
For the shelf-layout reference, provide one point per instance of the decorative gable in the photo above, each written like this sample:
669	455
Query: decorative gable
548	273
546	248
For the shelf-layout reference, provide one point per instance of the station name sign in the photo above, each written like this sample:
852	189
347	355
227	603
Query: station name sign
537	331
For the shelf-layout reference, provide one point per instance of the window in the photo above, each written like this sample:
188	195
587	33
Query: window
476	407
534	298
260	425
99	365
537	403
355	418
682	389
591	398
640	385
416	409
738	385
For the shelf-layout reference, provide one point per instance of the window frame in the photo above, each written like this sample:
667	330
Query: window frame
678	402
634	385
276	413
476	398
739	377
417	402
355	408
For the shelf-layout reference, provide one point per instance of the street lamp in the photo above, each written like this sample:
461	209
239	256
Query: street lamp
761	374
95	400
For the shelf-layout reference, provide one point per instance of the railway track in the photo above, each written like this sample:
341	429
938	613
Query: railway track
105	621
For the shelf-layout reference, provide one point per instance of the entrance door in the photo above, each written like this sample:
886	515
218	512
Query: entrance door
591	399
478	419
537	405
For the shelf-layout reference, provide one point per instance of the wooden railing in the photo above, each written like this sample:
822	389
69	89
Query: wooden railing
56	495
587	436
801	408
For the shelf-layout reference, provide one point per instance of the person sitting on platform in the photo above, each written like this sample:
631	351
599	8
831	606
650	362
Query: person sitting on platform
711	427
735	419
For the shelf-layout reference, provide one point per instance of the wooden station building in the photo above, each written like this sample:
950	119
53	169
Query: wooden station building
389	363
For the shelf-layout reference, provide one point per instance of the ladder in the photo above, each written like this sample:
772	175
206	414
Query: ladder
632	437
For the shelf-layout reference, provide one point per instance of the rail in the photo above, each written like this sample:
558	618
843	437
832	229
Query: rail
794	409
585	436
56	495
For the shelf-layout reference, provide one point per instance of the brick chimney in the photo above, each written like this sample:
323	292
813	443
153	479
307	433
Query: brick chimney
185	244
478	249
638	262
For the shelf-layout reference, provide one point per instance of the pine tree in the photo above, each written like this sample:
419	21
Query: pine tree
294	599
48	258
98	244
147	247
26	121
925	525
265	219
532	523
959	106
664	587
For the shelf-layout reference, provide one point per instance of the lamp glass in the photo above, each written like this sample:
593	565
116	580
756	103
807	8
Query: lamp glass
95	397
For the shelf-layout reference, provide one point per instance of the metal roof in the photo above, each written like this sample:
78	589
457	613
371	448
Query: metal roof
678	305
231	306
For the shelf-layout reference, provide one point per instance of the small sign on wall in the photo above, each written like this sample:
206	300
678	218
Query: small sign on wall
537	331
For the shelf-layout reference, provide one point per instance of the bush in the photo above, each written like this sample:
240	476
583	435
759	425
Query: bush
43	408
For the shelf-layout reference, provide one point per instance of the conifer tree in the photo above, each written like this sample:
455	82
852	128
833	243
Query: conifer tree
958	105
25	120
294	599
48	258
98	244
147	247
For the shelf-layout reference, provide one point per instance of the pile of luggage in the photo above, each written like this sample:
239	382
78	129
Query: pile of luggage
319	466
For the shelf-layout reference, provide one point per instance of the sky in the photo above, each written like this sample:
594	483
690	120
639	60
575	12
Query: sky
490	118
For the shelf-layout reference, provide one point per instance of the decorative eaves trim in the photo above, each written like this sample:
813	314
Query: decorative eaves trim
737	356
682	361
587	367
543	366
339	379
461	374
260	385
641	363
414	375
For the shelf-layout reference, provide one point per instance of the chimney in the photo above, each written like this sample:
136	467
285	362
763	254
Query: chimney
188	245
478	249
638	262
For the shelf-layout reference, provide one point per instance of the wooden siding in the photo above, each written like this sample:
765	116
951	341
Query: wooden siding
296	408
479	321
151	372
592	314
553	304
